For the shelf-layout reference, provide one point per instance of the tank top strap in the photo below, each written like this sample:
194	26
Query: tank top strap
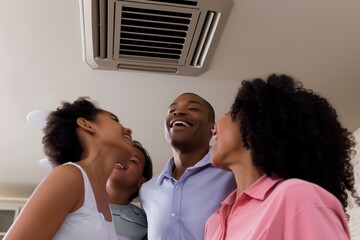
89	198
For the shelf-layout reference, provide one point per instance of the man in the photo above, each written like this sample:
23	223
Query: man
189	189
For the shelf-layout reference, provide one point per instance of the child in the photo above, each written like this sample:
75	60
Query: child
123	186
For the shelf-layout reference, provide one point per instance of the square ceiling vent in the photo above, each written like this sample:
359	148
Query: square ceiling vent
168	36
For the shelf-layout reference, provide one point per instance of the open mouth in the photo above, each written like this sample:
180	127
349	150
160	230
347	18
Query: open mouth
128	137
120	166
179	123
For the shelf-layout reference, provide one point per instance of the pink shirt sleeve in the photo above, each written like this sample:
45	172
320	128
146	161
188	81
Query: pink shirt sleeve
317	222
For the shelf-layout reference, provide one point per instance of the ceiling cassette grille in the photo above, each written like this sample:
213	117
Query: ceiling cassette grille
179	2
176	37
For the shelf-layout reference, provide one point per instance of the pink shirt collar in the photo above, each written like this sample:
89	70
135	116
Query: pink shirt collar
258	190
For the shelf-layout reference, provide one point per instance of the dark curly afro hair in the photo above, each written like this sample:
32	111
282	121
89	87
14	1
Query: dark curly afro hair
61	142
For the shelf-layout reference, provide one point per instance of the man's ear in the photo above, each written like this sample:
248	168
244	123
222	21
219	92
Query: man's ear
85	125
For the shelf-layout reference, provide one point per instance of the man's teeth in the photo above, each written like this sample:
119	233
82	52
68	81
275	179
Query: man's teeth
181	123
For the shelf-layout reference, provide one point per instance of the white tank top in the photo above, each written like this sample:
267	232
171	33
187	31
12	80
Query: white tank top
86	223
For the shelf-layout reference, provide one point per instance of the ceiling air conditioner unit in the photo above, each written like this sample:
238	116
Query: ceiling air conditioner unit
170	36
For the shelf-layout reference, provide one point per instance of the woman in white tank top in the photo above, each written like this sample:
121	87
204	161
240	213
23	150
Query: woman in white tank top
83	143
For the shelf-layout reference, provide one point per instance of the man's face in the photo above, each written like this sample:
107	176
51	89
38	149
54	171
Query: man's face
187	121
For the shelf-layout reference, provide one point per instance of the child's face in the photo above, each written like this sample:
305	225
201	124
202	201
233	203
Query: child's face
129	173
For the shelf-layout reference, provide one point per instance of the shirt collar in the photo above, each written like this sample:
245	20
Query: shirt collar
258	190
167	171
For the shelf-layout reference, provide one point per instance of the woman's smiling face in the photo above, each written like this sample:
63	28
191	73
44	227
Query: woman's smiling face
228	142
113	136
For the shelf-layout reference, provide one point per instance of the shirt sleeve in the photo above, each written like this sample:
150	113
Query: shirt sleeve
317	222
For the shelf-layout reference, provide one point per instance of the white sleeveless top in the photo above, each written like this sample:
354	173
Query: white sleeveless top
86	223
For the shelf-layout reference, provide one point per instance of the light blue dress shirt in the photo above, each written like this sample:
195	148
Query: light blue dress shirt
179	209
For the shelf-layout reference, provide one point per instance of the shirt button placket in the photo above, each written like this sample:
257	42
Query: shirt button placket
177	195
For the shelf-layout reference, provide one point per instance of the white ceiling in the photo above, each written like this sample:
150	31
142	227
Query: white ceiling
318	42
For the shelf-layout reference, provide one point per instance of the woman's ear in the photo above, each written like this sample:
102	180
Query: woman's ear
85	125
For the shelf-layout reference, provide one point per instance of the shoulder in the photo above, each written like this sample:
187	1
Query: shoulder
299	187
147	188
152	182
58	194
300	192
137	209
73	167
65	174
64	180
305	205
217	176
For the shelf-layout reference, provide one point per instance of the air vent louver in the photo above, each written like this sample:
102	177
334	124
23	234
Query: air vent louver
152	35
180	2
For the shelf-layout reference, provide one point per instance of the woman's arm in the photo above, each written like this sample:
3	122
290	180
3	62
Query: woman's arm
59	194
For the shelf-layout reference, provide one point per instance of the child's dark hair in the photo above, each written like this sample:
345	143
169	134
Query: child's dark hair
148	167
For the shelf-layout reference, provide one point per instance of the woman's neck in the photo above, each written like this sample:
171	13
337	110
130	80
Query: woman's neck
245	173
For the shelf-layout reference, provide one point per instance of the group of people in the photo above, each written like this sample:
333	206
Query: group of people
279	169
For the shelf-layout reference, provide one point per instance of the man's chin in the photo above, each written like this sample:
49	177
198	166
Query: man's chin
179	142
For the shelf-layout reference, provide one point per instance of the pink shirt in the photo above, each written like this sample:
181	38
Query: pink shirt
275	209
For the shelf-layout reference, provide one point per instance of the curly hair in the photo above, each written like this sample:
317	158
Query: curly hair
148	167
294	133
61	143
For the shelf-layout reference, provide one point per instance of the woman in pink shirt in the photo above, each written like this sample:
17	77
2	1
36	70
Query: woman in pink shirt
291	161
